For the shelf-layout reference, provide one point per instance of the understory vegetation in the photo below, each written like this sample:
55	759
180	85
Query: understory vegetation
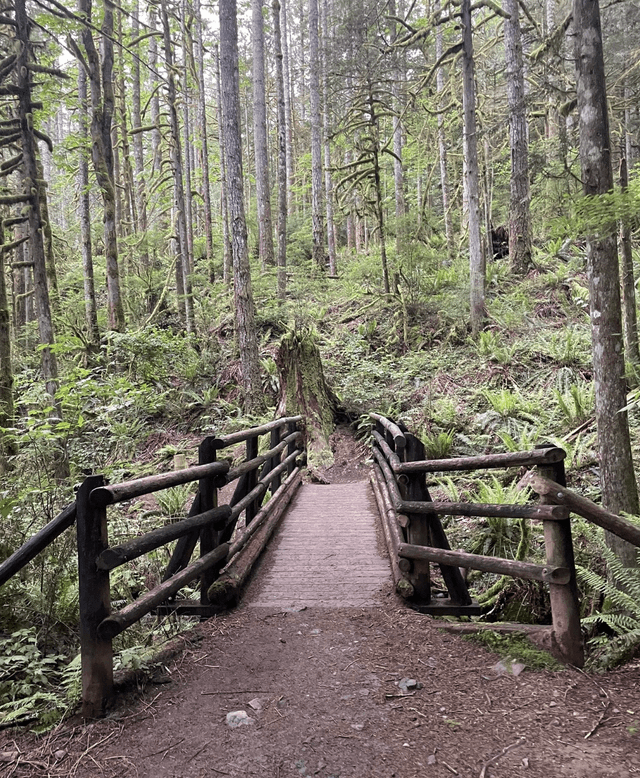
145	399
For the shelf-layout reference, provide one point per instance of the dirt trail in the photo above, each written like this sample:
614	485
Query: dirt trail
322	687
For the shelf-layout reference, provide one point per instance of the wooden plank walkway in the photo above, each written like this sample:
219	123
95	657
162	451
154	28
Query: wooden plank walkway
326	552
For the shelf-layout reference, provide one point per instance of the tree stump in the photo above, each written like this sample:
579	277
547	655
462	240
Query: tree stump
304	390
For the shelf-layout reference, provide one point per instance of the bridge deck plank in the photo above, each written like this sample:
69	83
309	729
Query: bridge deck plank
326	553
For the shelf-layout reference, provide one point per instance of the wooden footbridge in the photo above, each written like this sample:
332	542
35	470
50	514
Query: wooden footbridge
339	545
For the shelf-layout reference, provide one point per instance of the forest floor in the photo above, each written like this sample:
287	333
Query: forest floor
323	691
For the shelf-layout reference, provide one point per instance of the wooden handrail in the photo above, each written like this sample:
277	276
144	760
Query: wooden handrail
489	564
37	543
254	432
395	431
114	493
254	464
575	503
541	456
535	512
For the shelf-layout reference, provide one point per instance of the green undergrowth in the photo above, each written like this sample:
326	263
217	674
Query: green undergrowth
517	647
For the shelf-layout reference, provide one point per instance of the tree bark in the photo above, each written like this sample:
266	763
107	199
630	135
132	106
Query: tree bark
183	265
90	306
627	281
31	188
227	250
6	365
442	145
477	269
282	153
326	132
263	190
619	491
202	125
243	295
288	91
316	139
102	103
519	212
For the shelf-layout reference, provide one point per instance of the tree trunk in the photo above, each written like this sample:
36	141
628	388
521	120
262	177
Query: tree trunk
519	212
326	131
287	106
316	140
243	296
619	491
101	81
263	190
476	257
227	250
282	153
84	208
442	146
6	366
183	265
304	390
202	127
627	282
31	187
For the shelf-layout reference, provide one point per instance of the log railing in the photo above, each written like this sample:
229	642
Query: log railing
224	541
415	536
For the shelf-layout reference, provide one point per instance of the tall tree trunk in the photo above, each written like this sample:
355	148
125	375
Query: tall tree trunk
204	139
316	139
187	21
627	282
243	296
138	160
102	104
154	106
442	144
617	477
90	307
519	211
6	365
260	148
183	265
31	187
477	270
282	153
288	94
227	251
326	131
398	170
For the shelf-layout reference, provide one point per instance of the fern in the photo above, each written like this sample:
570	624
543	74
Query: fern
621	610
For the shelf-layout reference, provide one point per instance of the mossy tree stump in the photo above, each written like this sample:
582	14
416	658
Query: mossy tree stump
304	390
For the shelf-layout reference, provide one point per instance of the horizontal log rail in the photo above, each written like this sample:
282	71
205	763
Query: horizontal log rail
117	622
542	456
125	552
115	493
37	543
396	433
575	503
488	564
254	464
535	512
253	432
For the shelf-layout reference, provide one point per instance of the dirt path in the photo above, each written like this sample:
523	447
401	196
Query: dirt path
323	690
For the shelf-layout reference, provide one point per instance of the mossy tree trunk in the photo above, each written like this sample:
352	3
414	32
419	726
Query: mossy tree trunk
304	390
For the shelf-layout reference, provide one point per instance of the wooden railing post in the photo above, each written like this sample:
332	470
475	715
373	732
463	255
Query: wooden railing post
94	602
252	478
418	532
292	426
565	608
208	499
275	461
